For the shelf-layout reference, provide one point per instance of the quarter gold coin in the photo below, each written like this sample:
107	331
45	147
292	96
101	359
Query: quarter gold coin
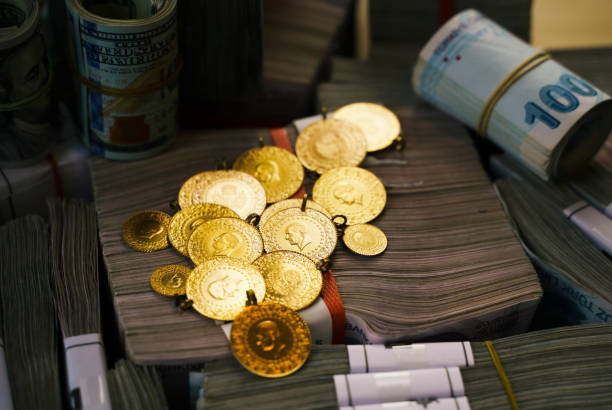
290	203
185	221
239	191
379	124
170	280
291	278
270	340
218	287
365	239
225	237
310	233
278	170
147	231
353	192
331	143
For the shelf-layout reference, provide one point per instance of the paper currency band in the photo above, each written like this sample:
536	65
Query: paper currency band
17	105
528	65
129	92
330	293
502	374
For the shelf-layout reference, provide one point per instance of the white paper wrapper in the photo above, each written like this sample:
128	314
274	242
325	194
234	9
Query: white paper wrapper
457	403
594	224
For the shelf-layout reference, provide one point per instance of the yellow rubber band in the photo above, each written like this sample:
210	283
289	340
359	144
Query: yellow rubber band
528	65
128	92
502	374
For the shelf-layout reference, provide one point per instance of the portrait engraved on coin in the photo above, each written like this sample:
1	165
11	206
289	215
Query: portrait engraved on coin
278	170
292	279
353	192
147	231
225	237
218	286
270	339
365	239
236	190
297	235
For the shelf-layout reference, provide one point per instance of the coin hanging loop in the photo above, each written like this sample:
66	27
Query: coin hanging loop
324	265
304	202
184	303
251	298
340	226
253	219
260	141
174	206
399	143
221	165
324	112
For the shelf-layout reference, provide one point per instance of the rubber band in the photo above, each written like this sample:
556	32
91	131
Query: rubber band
502	374
528	65
130	92
17	105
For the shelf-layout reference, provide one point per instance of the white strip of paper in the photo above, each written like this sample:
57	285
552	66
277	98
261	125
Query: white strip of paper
86	368
592	223
608	210
6	401
405	385
457	403
378	358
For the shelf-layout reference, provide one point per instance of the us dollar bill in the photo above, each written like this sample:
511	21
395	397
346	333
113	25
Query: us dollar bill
25	85
126	56
550	119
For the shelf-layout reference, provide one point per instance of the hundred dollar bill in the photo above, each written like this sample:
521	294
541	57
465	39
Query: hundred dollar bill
126	56
25	85
538	111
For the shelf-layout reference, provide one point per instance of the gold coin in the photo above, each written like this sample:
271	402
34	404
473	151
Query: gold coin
365	239
289	203
310	233
170	280
218	287
147	231
225	237
350	191
270	340
291	279
379	124
239	191
185	221
278	170
331	143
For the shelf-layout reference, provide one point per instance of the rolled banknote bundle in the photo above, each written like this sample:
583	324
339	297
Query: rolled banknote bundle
25	84
536	110
125	54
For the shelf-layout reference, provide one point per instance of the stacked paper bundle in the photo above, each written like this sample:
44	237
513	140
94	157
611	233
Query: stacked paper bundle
135	388
30	338
559	364
453	265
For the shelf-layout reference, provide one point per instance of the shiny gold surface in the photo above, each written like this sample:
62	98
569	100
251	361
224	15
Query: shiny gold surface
270	340
365	239
170	280
379	124
353	192
289	203
310	233
225	237
331	143
278	170
147	231
218	287
239	191
185	221
291	278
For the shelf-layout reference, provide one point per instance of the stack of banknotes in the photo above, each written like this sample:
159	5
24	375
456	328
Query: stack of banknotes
564	365
30	337
135	388
453	267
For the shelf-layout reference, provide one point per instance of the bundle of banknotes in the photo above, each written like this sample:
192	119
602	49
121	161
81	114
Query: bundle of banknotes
29	318
563	365
135	388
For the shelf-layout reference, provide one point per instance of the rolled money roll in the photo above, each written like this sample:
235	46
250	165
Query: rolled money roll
25	85
536	110
126	56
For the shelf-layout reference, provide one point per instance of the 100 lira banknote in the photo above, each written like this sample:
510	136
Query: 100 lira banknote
549	118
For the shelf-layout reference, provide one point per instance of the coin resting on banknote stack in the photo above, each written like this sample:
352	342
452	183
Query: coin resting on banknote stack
238	245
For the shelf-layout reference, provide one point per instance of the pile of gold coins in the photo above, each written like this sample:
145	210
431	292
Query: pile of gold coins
245	253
